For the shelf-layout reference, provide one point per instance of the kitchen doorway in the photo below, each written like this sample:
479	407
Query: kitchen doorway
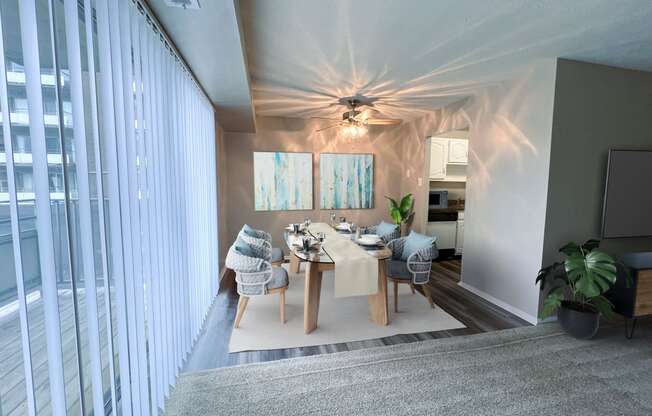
447	156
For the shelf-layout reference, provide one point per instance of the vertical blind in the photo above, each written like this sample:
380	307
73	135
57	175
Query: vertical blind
108	209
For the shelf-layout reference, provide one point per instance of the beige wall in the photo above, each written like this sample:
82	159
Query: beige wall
596	107
298	135
222	177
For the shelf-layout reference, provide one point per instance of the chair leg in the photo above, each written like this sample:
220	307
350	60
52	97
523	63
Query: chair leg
242	305
395	296
426	291
412	288
282	296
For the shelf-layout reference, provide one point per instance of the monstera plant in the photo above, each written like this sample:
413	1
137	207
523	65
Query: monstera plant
576	287
402	212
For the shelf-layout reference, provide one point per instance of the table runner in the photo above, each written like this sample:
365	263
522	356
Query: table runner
356	271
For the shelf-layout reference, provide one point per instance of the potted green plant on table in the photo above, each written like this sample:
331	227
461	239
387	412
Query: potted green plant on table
576	288
402	212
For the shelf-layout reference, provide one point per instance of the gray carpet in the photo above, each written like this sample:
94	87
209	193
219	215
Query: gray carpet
524	371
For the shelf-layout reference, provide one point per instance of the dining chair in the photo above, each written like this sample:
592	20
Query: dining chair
276	257
255	276
415	270
386	231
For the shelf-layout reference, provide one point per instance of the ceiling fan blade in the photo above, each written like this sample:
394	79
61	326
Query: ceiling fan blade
326	128
325	118
384	121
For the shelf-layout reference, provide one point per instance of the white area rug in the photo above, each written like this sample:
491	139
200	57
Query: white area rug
340	319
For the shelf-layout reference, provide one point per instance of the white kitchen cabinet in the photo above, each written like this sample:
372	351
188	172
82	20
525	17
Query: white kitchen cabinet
459	240
445	231
438	158
458	151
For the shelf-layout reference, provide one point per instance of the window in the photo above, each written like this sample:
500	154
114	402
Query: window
112	273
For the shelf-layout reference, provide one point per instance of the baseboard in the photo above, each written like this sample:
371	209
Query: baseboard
509	308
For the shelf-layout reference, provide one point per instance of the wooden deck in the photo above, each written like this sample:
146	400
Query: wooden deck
12	388
212	348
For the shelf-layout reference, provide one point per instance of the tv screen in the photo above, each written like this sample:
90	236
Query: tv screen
628	194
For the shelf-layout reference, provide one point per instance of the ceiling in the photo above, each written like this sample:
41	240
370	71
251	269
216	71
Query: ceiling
210	40
413	56
418	55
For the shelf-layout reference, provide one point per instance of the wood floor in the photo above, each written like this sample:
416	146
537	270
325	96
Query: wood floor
212	348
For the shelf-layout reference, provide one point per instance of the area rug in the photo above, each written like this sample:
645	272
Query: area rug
524	371
340	319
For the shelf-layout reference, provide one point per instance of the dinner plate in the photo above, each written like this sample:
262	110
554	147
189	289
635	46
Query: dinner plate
365	241
343	227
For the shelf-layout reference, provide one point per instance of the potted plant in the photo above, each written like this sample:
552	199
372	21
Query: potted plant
402	212
577	286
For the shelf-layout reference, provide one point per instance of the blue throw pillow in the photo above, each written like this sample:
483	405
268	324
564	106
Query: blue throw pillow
243	248
385	228
415	242
249	231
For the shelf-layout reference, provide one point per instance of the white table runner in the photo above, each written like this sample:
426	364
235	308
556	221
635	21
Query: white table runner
356	271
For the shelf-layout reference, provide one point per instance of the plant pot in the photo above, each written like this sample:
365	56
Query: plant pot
581	322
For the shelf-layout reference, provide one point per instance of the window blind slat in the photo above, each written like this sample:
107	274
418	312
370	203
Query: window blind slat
32	67
109	128
84	200
15	234
99	185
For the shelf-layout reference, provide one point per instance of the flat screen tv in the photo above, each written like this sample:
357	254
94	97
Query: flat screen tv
627	210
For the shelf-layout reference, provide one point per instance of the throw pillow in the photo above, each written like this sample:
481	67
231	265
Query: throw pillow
415	242
385	228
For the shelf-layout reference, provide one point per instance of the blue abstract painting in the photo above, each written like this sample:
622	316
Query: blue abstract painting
346	180
282	181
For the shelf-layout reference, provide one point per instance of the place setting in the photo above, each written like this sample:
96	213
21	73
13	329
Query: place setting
370	242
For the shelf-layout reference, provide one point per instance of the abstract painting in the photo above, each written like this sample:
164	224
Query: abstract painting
282	181
346	180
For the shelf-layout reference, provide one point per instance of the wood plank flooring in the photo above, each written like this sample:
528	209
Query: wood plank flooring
12	389
212	348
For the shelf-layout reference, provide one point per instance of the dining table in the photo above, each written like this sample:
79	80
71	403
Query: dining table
318	260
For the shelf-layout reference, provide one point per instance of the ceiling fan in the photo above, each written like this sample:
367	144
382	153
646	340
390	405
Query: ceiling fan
354	118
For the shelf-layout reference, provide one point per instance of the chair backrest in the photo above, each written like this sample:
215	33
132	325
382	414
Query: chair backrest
251	273
420	264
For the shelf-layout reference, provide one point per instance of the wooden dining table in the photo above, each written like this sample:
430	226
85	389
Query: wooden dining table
318	261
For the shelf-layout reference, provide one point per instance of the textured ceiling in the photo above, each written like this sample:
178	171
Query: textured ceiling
418	55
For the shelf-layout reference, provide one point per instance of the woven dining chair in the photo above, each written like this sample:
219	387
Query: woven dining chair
414	271
256	276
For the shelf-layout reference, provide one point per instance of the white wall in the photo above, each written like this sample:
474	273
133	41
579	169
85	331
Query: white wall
510	137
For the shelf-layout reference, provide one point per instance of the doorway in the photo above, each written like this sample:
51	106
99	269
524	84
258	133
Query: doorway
445	194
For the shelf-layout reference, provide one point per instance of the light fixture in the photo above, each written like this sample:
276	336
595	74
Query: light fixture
355	130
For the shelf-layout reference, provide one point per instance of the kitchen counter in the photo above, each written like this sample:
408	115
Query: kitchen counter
446	214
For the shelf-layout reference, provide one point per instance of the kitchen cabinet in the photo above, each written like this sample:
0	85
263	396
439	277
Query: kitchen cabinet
438	158
458	152
445	231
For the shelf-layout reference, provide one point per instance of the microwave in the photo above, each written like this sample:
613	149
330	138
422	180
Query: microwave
437	199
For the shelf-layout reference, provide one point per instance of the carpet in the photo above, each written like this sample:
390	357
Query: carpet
523	371
340	319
